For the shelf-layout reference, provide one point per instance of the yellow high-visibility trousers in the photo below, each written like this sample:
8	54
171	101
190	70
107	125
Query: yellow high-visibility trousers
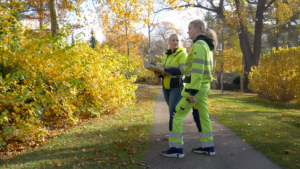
201	117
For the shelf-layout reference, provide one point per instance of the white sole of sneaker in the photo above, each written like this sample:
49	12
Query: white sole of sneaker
175	155
205	152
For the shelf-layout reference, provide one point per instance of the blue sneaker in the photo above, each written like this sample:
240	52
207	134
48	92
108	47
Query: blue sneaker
207	151
169	153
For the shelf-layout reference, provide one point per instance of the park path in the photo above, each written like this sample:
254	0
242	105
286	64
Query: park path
225	140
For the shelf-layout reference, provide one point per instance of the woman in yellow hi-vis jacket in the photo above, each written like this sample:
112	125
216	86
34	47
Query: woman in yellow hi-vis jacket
197	71
173	62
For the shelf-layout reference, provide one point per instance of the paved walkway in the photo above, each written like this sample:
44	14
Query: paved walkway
226	142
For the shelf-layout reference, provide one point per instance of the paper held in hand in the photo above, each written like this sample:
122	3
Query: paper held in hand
153	68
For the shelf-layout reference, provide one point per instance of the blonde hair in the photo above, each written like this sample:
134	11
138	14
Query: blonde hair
175	34
204	29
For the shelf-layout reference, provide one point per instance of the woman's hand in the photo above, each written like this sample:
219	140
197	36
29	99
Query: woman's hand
192	99
157	74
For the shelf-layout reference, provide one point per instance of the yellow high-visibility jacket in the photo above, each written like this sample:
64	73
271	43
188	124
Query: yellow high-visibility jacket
198	66
173	64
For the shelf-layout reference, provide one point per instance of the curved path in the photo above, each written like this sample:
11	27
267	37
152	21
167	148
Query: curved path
226	142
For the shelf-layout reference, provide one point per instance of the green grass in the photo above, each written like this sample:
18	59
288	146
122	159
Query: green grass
272	128
112	141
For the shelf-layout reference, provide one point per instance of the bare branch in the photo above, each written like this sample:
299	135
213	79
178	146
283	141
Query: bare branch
212	3
270	4
253	3
186	6
30	17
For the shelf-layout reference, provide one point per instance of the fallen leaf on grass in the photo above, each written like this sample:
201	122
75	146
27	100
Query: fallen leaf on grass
100	135
232	153
82	150
58	164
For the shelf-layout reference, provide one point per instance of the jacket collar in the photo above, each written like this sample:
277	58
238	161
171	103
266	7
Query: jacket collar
207	40
169	52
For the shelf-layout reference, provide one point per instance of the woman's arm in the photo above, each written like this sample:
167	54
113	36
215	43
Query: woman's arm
197	68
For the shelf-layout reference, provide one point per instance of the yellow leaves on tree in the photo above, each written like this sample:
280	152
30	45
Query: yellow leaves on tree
239	16
284	10
118	21
277	76
231	60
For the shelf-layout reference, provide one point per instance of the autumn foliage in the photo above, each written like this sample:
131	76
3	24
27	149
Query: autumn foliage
44	79
277	76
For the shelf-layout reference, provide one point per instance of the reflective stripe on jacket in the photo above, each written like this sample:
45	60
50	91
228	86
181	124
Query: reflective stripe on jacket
174	63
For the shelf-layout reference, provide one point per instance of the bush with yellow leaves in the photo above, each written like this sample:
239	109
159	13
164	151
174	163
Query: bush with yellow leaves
277	77
43	79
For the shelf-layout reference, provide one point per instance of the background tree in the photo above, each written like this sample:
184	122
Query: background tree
282	28
93	41
39	10
54	21
73	40
120	14
236	16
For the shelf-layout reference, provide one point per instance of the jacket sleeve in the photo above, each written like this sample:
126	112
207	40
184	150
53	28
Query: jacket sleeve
182	61
173	71
179	70
197	68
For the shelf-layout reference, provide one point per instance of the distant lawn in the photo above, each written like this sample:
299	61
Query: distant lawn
272	128
112	141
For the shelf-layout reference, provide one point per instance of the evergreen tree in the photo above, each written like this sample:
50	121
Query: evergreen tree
93	40
73	40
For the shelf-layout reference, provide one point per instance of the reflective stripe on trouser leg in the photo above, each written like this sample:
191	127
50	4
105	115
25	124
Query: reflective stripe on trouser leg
206	136
175	138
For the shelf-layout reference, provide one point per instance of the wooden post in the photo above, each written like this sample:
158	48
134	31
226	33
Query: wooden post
148	80
159	81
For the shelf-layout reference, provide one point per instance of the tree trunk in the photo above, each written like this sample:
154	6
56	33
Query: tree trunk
127	38
241	78
251	58
54	20
40	14
149	57
222	72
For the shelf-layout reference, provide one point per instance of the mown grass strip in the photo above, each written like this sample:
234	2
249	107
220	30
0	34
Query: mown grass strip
112	141
272	128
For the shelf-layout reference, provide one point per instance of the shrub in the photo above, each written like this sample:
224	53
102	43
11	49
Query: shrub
277	77
44	79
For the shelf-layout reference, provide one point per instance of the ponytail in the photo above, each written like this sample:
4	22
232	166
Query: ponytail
212	35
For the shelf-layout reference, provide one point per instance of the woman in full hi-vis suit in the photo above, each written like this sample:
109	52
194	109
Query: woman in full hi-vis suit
197	70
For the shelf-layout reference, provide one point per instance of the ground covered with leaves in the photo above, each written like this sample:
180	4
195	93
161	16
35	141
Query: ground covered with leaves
112	141
271	127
